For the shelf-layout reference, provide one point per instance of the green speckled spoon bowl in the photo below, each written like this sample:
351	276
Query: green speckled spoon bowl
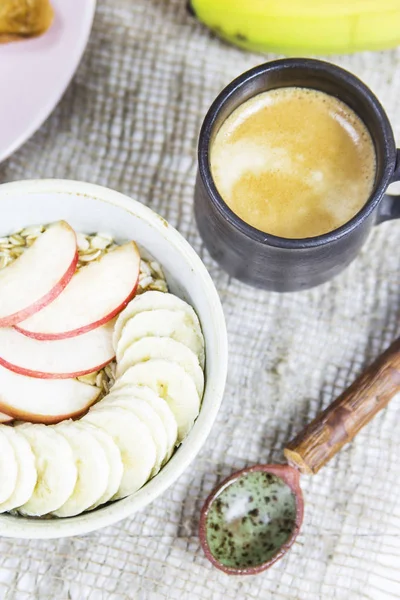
253	517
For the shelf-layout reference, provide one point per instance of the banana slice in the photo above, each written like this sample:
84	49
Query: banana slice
114	460
93	469
153	300
175	324
27	475
8	467
171	382
134	441
55	466
159	405
148	416
168	349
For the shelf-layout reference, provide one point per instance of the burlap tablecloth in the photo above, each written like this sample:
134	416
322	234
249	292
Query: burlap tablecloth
130	121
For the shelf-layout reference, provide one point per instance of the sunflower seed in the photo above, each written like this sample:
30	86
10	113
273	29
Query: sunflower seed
89	256
100	243
32	231
17	240
4	260
89	378
83	242
156	268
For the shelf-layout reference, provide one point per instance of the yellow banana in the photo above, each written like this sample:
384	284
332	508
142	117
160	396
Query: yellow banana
308	26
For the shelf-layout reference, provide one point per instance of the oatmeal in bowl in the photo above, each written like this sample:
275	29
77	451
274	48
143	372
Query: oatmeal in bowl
112	357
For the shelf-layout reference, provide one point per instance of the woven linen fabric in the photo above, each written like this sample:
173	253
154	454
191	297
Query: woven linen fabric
130	120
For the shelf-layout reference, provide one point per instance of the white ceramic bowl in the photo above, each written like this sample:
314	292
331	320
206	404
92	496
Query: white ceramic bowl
90	208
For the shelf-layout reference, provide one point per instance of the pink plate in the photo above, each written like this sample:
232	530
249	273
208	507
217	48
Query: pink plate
36	72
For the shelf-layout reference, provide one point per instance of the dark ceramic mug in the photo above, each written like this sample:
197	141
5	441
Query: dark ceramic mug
283	264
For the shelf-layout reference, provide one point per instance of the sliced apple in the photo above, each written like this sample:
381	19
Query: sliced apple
56	359
39	275
5	418
109	283
44	400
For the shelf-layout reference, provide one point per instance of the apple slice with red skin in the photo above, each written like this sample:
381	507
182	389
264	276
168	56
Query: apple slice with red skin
44	400
39	275
5	418
56	359
96	294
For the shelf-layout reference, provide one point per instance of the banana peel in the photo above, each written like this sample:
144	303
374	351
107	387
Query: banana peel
309	26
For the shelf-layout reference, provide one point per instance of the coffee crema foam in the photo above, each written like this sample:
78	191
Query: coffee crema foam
294	162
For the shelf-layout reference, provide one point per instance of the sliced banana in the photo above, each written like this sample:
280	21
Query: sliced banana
27	475
114	459
8	467
153	300
165	348
148	416
175	324
159	405
134	441
55	466
93	469
171	382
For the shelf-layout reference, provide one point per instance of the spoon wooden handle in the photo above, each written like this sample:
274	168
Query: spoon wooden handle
343	419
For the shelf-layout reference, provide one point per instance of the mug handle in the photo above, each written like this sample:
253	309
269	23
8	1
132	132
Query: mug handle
389	207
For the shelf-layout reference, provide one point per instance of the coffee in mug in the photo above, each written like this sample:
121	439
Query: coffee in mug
294	162
321	178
